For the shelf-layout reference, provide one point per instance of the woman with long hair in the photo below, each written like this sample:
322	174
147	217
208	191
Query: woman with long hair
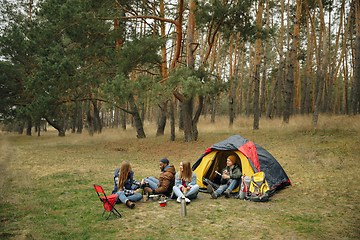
127	188
185	183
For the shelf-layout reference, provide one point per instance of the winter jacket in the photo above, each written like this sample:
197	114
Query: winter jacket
166	181
235	174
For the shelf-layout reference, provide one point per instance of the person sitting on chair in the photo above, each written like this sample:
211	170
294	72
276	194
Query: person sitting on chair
163	184
127	188
230	179
185	183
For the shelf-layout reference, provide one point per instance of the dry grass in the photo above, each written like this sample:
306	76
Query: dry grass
46	184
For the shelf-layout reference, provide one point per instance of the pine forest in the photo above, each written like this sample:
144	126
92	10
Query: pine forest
91	64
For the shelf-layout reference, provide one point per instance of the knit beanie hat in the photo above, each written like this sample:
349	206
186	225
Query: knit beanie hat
165	160
232	158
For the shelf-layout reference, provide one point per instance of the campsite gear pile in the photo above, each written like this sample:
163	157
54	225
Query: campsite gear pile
255	161
162	201
154	197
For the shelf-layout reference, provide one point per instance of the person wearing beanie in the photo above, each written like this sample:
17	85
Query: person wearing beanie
230	178
165	182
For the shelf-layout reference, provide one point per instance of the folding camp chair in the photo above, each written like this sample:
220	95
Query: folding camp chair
108	201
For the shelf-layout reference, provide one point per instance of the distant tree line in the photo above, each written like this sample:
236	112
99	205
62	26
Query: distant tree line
93	64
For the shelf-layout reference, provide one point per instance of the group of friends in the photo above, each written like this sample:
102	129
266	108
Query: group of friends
183	184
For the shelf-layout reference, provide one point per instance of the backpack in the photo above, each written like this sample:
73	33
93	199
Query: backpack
259	189
244	187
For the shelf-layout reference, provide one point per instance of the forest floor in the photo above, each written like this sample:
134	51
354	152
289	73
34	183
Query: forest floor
46	183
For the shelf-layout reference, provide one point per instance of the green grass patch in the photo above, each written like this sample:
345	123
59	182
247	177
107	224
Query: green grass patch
47	184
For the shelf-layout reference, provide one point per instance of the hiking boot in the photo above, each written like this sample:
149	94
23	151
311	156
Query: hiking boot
210	189
212	192
227	193
130	204
214	195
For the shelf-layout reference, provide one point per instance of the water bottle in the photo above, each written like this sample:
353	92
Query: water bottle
183	207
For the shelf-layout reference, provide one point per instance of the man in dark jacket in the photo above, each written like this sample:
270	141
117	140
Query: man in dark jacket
163	184
230	178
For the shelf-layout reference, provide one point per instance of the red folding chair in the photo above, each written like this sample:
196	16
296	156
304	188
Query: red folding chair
108	201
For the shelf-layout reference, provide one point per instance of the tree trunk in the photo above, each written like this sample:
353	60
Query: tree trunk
164	73
29	126
232	100
264	76
289	83
39	127
335	65
123	117
257	67
79	122
281	80
142	111
320	72
213	108
137	120
241	82
356	84
181	117
306	96
163	68
197	116
277	83
97	123
74	118
179	34
57	126
90	122
162	119
116	117
248	101
20	127
172	120
231	97
346	93
187	108
190	125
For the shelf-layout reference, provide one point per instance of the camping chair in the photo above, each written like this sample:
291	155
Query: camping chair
108	201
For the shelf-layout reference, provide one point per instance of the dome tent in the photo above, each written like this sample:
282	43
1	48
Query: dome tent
251	157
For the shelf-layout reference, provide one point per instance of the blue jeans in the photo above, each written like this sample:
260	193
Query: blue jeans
233	184
191	194
135	197
153	182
